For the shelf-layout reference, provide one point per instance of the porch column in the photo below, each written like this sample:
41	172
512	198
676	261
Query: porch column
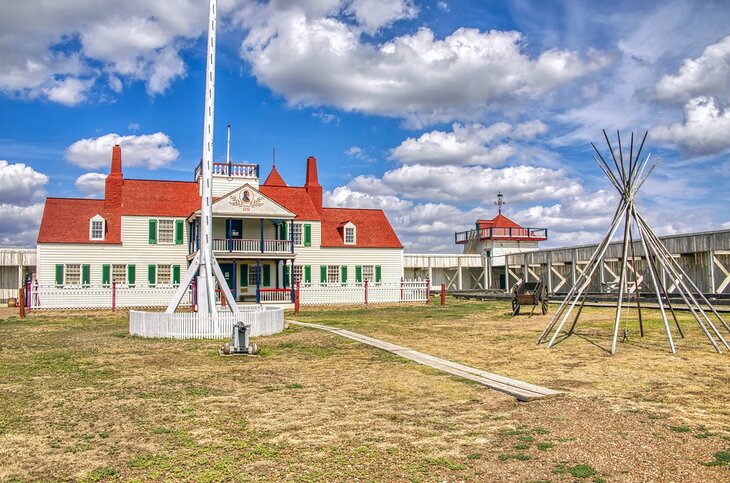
234	289
197	234
276	262
506	274
261	222
258	280
293	284
291	239
229	234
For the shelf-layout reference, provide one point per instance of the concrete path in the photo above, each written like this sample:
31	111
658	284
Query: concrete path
523	391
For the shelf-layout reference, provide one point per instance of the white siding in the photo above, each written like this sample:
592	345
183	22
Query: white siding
390	259
223	185
135	249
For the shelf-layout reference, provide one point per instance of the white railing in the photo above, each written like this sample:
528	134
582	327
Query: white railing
44	297
276	295
364	293
192	325
251	245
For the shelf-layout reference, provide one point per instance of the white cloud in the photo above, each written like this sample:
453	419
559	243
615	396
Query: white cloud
20	185
707	75
20	224
443	6
417	76
150	150
706	129
91	184
375	14
357	152
469	184
466	144
326	117
59	50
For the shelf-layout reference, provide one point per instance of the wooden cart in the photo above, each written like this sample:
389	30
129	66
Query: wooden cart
529	293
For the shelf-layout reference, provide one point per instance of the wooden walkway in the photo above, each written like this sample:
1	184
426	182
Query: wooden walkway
523	391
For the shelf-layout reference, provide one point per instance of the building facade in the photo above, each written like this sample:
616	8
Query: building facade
266	236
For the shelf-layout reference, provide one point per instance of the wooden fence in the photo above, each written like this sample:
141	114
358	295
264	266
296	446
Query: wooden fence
193	325
44	297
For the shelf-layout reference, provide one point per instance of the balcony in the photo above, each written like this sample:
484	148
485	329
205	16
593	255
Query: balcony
232	170
496	233
251	246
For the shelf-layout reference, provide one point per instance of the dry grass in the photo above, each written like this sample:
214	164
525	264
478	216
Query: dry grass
82	400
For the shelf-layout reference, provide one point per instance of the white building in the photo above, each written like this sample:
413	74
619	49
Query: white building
144	233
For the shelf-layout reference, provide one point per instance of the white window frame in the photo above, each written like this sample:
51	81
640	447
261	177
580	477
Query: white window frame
333	274
371	278
297	274
158	280
117	266
160	222
252	276
66	272
97	219
297	230
349	227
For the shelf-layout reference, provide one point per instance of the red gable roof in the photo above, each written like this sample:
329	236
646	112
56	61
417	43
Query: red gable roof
274	179
66	220
160	198
499	221
372	228
294	199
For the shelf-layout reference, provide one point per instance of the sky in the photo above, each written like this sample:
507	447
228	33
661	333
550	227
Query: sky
424	109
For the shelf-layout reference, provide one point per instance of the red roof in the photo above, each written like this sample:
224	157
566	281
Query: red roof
274	179
66	220
372	228
294	199
499	221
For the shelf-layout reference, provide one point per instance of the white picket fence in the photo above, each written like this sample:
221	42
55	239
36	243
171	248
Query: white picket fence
192	325
44	297
363	294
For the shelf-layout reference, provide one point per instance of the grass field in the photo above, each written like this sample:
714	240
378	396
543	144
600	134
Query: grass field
80	399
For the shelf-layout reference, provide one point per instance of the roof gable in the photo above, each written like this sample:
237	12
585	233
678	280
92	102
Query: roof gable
274	178
247	200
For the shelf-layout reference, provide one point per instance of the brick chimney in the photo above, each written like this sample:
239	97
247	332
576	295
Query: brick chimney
312	186
115	181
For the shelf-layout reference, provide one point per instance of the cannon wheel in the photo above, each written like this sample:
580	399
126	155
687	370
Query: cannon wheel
515	307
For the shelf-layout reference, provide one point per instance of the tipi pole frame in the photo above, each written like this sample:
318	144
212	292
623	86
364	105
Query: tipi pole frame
622	281
637	291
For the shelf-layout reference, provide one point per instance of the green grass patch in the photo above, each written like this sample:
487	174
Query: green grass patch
522	446
722	458
545	445
682	428
446	463
514	456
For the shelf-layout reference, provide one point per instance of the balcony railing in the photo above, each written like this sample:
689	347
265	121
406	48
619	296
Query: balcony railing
537	234
232	170
280	295
252	245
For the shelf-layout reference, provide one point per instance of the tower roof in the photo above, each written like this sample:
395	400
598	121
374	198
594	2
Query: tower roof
274	178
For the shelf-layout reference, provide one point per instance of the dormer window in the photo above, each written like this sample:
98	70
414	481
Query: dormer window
97	228
350	234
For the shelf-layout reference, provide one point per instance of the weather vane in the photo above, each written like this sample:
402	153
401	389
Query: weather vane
500	201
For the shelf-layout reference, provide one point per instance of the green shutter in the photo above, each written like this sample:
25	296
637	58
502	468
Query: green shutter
307	235
323	274
286	275
131	275
267	275
178	232
106	272
176	275
59	275
343	274
153	232
85	275
307	274
151	278
358	273
283	231
244	275
378	273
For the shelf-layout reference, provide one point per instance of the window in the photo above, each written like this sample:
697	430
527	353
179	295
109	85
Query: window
252	276
368	273
350	235
119	274
333	274
73	274
297	274
166	231
96	228
296	231
164	274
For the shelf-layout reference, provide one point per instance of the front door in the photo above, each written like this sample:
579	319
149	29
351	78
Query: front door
236	229
230	276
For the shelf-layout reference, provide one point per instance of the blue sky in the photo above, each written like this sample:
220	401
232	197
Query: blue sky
424	109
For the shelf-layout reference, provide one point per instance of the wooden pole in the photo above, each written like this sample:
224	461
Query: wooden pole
622	281
296	300
21	302
443	294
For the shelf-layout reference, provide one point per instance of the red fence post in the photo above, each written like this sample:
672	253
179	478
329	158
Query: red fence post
296	300
114	296
443	294
21	303
28	296
401	289
366	291
428	290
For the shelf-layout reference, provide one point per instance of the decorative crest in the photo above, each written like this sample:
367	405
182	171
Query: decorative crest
500	202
